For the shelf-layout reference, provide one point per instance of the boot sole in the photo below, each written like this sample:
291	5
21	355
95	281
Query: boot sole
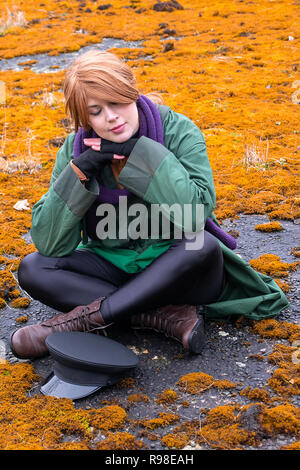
11	345
197	338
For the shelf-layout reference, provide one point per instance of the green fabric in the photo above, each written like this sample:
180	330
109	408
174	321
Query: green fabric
129	260
247	292
184	174
71	193
142	164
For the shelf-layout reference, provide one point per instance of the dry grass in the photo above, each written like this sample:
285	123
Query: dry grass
255	156
18	165
51	99
27	163
11	19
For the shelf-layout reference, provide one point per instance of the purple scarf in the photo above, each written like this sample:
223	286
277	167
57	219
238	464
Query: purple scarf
150	126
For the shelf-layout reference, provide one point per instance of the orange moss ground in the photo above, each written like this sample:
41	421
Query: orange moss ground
198	382
45	422
281	419
271	265
296	251
271	328
285	380
164	419
225	427
284	286
49	423
256	394
294	446
138	397
167	396
269	227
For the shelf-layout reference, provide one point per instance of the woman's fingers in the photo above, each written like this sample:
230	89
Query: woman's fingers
92	142
95	143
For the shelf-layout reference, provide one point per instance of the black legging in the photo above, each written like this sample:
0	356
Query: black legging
177	277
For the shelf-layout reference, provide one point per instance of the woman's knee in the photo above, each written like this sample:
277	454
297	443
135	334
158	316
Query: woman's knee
30	270
206	251
212	247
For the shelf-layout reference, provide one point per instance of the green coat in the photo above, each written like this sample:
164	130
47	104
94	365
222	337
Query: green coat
178	172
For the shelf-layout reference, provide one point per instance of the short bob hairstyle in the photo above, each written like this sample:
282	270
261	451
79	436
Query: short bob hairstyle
99	75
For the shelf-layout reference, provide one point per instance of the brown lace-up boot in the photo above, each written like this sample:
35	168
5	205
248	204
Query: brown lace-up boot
180	322
29	342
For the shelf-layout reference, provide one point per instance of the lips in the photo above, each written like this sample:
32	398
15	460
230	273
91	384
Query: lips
118	128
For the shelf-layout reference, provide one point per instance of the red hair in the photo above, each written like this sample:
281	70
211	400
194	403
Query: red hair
99	75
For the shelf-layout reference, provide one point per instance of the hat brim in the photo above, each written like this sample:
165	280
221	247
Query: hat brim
58	388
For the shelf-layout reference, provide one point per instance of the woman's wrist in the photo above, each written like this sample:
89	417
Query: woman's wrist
79	173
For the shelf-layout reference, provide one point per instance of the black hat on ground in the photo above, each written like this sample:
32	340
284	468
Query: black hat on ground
84	363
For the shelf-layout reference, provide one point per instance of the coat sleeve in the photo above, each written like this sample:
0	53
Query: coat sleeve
57	216
177	173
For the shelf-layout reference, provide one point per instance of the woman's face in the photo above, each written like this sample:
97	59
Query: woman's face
116	122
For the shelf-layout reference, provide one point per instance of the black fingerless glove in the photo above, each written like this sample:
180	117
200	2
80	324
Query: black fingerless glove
91	161
125	148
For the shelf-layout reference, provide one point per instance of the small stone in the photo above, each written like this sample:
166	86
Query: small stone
223	333
249	418
57	141
169	32
169	46
168	6
22	205
104	7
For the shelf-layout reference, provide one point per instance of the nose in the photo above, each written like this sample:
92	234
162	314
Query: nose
110	114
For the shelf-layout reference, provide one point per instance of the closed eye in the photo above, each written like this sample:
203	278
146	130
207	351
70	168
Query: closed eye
96	114
99	111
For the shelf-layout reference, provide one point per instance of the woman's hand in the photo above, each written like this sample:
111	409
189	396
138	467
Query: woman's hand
123	148
91	162
106	146
95	144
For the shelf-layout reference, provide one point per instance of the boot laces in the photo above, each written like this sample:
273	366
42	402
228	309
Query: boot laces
160	324
79	322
